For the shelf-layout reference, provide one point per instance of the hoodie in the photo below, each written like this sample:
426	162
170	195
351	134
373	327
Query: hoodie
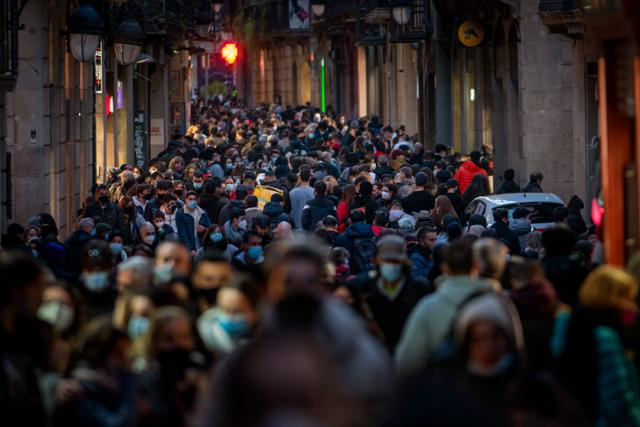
359	230
276	213
315	210
465	174
522	228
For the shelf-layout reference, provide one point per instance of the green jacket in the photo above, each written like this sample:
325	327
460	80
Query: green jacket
431	321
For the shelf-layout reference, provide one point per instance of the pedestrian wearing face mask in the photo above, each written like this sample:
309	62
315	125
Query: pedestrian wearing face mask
96	281
192	221
389	290
103	210
169	385
232	321
75	243
144	194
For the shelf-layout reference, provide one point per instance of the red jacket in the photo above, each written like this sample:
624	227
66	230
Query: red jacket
465	174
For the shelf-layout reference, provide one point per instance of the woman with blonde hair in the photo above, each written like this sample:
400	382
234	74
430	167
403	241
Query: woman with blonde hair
596	359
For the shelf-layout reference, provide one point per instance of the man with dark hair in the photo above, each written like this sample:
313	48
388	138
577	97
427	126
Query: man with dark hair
468	170
503	232
509	185
274	209
211	199
421	254
389	290
252	210
252	253
420	199
210	272
318	207
23	351
300	196
144	194
192	221
535	183
359	240
432	319
103	210
521	225
163	189
564	268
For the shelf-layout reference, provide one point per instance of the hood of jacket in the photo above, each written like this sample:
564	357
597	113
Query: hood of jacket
520	226
359	230
471	167
273	209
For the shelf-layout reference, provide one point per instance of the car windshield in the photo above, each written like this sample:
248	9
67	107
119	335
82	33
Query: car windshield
539	212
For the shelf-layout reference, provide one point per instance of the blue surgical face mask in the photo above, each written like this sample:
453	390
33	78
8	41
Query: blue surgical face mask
116	248
390	272
192	204
162	274
235	326
216	236
198	185
254	252
92	232
96	281
137	326
106	237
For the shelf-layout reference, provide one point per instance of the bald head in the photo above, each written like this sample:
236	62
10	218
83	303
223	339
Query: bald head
283	229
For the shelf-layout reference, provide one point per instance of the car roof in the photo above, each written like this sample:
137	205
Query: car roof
509	199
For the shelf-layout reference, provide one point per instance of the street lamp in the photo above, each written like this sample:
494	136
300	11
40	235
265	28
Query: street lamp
401	11
318	7
217	6
128	41
85	29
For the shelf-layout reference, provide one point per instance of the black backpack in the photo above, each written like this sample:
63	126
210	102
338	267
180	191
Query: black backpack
364	251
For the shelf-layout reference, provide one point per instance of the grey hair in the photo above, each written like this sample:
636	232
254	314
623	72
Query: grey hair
85	222
491	256
138	265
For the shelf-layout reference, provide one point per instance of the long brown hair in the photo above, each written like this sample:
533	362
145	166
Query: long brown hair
443	207
348	194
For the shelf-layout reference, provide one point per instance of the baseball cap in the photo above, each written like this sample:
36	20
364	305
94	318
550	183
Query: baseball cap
391	247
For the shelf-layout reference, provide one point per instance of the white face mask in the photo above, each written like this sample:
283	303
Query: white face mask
395	215
243	224
149	239
57	314
159	224
385	195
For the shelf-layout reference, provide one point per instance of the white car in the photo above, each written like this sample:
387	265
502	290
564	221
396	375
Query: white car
540	206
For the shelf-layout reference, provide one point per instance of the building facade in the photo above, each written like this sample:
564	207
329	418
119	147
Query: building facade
62	124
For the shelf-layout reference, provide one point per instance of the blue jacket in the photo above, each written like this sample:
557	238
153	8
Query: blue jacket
186	227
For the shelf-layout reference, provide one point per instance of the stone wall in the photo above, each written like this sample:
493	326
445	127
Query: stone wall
551	101
49	123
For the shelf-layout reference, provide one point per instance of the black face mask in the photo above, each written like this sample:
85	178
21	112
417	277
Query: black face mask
161	198
209	295
174	364
148	196
103	199
177	193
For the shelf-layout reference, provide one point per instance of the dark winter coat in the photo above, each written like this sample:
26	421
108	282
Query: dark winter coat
507	236
315	210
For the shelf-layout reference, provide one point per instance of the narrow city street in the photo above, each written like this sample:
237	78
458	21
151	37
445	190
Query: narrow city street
314	213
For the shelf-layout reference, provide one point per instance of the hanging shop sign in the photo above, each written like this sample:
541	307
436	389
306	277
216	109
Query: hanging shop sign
98	69
471	33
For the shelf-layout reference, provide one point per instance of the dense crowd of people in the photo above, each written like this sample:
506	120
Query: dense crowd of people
278	266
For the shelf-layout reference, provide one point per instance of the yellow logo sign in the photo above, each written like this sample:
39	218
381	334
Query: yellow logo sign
471	33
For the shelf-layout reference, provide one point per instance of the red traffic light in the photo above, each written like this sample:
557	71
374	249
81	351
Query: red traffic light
229	52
